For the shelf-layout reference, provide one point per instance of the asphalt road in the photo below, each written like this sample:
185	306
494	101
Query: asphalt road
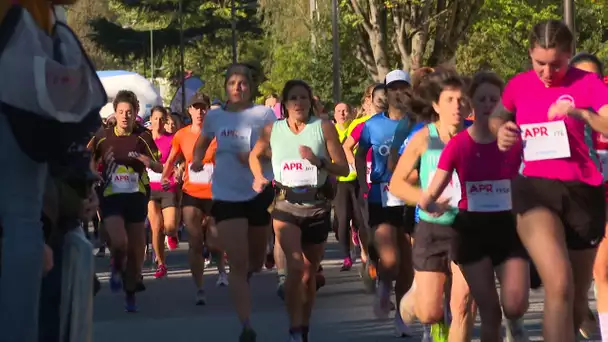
343	312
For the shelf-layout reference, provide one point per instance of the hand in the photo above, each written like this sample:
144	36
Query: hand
434	208
243	157
165	183
197	166
560	109
259	184
47	259
508	135
144	159
89	207
306	153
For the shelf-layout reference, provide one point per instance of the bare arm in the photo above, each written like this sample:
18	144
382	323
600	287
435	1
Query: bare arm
404	182
260	151
598	122
338	166
170	162
349	146
393	158
200	148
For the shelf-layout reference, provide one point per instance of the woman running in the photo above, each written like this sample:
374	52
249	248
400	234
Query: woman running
124	201
591	63
560	197
196	190
162	206
305	149
441	97
486	240
241	214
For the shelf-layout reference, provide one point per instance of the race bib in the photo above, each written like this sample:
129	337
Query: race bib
296	173
489	196
452	191
234	140
154	177
547	140
388	199
125	182
368	172
201	177
603	154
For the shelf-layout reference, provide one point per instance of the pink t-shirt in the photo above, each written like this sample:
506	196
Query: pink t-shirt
356	135
163	143
484	172
557	149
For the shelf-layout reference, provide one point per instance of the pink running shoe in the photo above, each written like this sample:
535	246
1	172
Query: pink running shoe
172	243
161	271
347	264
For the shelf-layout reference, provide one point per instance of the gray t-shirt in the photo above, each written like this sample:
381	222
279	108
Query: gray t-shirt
235	132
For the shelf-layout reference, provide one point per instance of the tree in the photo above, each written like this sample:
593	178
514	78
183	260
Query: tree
499	40
131	31
414	33
79	16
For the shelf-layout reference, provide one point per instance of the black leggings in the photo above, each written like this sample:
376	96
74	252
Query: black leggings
347	208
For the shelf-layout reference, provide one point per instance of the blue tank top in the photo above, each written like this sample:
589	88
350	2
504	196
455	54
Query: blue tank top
377	134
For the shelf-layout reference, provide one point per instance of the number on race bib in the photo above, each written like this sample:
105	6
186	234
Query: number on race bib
368	172
489	196
297	173
388	199
547	140
125	182
201	177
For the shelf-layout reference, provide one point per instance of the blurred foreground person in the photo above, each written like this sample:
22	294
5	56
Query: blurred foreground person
49	112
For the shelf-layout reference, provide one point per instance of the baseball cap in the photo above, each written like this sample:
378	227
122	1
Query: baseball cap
198	98
397	76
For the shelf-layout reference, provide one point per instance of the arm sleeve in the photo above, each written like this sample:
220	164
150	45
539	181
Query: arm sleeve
151	150
598	92
356	133
447	161
364	139
208	126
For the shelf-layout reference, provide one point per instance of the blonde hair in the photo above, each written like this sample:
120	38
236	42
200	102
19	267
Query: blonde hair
369	90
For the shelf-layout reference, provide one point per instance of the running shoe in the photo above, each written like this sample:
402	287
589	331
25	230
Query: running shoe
247	335
368	276
269	264
115	281
382	303
140	287
172	242
355	237
407	305
439	332
201	299
207	263
347	264
161	271
516	332
222	280
130	305
401	329
588	326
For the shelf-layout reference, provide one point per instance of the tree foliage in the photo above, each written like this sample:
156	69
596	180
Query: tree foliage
499	39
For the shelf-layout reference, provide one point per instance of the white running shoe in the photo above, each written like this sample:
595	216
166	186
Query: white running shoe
222	280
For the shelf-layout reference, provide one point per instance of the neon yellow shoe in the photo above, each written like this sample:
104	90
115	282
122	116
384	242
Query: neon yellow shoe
439	332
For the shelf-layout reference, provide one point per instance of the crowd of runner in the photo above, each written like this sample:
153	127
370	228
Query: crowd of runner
438	184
